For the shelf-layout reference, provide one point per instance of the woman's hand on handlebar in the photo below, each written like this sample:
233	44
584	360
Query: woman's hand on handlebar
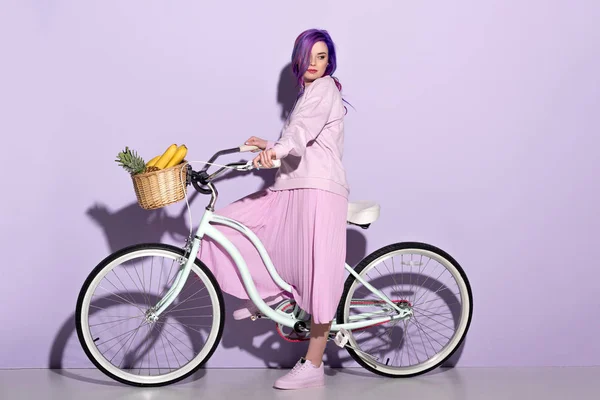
265	158
258	142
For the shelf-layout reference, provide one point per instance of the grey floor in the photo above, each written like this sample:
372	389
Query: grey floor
247	384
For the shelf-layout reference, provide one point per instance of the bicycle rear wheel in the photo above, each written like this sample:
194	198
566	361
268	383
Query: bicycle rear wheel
418	277
117	333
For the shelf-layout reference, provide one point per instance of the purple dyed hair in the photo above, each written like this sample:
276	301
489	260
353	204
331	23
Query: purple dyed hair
301	54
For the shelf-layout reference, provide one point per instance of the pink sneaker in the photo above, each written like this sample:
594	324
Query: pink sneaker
303	375
250	309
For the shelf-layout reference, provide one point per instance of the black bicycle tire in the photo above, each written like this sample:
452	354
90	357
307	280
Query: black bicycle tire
120	253
388	249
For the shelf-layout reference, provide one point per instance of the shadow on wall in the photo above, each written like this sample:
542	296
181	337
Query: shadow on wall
257	338
260	338
287	91
152	225
132	224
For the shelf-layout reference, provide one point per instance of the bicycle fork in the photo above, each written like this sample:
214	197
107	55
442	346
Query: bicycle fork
192	247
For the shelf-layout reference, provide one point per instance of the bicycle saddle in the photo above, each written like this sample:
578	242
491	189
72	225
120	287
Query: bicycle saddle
362	213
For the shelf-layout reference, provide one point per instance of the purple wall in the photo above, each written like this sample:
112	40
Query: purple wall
476	129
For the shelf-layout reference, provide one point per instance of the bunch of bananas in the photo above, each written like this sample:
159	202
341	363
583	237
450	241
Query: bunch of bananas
174	155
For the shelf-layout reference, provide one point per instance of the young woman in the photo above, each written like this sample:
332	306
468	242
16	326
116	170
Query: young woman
301	219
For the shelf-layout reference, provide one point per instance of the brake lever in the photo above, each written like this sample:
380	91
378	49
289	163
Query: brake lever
250	166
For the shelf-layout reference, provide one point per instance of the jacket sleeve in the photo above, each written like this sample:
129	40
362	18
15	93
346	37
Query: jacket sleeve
309	120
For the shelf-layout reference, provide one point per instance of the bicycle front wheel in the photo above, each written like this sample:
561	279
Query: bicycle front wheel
419	278
114	323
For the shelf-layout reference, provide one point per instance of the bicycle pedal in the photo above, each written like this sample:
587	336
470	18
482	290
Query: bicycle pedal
342	337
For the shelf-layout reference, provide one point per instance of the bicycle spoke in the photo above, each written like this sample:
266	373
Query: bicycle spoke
124	344
146	354
404	345
444	288
420	273
124	287
122	298
128	348
144	280
422	341
114	316
440	299
177	348
174	326
411	342
163	338
179	340
124	290
156	355
185	300
436	279
446	305
427	335
424	284
132	280
122	334
433	319
186	309
151	271
431	329
410	275
166	356
144	293
110	327
425	312
402	278
393	276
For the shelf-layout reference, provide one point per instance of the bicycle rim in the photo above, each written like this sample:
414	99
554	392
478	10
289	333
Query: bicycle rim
430	283
118	338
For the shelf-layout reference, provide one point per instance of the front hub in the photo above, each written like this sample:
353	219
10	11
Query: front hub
151	316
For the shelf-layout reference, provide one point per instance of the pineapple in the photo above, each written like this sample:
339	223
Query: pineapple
131	162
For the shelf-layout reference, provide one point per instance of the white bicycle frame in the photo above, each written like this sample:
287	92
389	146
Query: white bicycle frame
206	228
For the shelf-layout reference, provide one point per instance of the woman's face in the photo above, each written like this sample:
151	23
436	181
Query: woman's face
319	58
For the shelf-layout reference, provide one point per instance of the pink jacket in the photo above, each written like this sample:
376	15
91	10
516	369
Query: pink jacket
311	145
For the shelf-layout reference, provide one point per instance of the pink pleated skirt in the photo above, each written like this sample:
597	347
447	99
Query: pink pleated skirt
304	233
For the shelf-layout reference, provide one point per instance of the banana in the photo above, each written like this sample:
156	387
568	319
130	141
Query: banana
178	157
166	157
153	161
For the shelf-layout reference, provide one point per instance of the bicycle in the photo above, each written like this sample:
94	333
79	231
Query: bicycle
370	309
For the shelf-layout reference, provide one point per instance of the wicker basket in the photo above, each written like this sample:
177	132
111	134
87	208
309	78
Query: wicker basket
159	188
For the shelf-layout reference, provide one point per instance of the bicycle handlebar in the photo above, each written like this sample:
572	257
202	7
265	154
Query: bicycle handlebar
202	178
